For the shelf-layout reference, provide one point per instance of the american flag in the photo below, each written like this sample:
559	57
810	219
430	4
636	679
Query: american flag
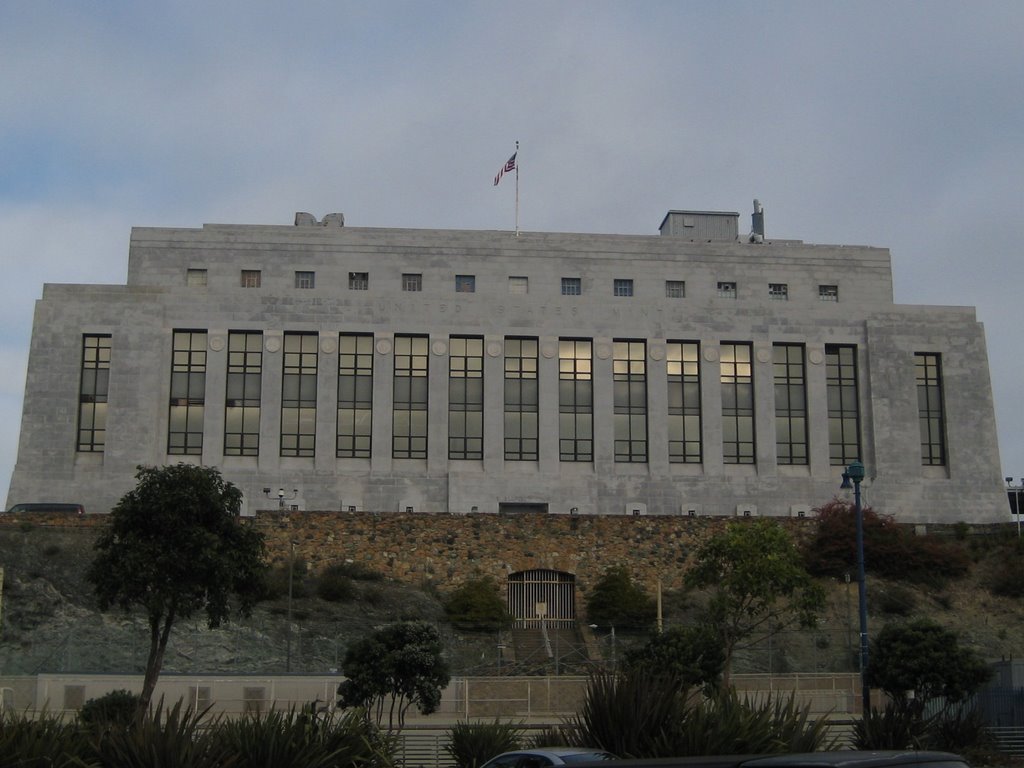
508	166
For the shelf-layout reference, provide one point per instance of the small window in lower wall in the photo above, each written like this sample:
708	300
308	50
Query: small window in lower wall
254	700
74	697
201	698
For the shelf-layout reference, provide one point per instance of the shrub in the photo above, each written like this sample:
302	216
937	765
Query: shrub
374	596
626	714
893	551
550	736
964	730
277	580
1007	580
43	741
694	654
617	600
895	600
644	715
335	585
177	739
727	724
360	572
898	726
477	606
901	725
114	708
305	739
472	744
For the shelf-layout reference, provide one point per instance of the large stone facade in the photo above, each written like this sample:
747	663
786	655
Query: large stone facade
756	442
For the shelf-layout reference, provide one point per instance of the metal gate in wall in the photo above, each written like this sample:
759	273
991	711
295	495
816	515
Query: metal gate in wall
542	594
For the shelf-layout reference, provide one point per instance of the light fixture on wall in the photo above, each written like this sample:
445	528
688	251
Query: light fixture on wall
281	496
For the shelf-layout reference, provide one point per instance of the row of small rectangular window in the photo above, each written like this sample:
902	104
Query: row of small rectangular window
517	284
521	398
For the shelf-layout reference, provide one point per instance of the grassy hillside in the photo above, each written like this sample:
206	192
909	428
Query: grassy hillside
48	621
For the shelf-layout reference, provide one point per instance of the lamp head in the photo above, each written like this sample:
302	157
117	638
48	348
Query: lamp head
1009	480
847	485
856	472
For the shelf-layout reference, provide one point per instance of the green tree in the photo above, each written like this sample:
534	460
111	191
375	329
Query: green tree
398	666
927	659
755	583
174	545
616	600
693	655
477	605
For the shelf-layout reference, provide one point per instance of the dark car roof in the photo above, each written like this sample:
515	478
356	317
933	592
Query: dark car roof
855	759
837	759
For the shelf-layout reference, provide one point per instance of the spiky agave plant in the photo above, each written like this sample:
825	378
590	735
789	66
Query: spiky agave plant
175	738
306	739
472	744
627	713
43	740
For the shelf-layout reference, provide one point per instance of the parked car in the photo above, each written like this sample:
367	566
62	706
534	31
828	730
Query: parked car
838	759
545	756
855	759
46	507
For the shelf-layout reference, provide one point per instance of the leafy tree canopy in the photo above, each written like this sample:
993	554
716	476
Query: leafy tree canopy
477	605
756	584
174	546
926	658
616	600
890	550
116	708
693	655
398	666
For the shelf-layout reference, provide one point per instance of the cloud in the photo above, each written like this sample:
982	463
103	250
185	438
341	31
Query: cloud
869	124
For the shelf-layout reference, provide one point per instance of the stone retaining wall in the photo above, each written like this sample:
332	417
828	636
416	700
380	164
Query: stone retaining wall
448	549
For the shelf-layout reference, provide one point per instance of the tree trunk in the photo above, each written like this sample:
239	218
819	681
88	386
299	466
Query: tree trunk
159	634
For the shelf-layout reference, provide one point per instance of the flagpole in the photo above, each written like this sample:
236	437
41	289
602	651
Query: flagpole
517	189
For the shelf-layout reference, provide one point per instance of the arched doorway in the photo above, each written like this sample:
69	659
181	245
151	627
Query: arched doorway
542	593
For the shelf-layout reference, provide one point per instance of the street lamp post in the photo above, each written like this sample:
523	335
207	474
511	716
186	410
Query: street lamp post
1015	504
853	476
291	572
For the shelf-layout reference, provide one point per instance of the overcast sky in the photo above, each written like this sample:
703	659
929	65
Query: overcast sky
896	124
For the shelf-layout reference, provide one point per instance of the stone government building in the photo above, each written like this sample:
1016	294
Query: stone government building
696	372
